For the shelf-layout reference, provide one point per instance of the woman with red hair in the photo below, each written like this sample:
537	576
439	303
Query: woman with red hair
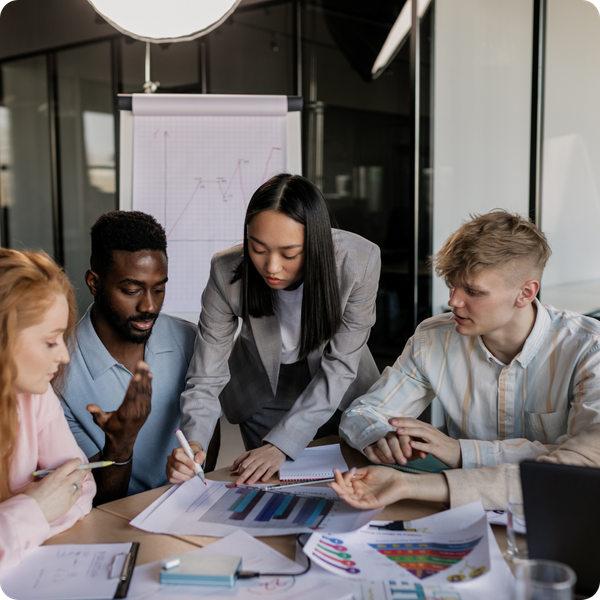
37	319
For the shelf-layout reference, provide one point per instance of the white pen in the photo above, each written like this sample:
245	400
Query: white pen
186	448
278	486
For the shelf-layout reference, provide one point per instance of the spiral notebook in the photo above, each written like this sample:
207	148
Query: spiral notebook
314	463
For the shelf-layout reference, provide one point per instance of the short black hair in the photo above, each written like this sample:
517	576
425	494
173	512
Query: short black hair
131	231
301	200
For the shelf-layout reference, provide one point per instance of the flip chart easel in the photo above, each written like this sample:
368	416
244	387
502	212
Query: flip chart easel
193	162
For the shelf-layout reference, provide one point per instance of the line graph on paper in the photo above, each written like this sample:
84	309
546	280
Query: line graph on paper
196	175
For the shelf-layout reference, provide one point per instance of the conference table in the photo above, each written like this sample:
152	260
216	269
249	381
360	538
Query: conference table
110	522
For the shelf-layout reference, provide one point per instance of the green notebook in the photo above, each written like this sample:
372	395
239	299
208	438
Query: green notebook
421	465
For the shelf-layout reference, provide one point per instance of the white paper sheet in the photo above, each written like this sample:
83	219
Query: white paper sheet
217	509
256	556
414	557
65	572
497	517
314	463
496	585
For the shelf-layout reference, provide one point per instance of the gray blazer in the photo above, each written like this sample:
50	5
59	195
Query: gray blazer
242	373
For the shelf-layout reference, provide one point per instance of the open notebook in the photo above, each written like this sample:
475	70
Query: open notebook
314	463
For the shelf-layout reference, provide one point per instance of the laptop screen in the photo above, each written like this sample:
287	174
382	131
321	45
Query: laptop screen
562	515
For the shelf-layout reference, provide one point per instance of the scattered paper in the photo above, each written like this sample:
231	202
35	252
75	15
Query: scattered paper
218	509
256	556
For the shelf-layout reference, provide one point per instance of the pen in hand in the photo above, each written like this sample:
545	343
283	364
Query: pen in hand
186	448
92	465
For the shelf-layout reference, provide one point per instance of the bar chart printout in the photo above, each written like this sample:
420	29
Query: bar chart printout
219	509
258	509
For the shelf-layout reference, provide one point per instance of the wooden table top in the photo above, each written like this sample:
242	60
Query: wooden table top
110	522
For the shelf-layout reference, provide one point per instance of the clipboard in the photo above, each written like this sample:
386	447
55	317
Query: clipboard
72	571
130	561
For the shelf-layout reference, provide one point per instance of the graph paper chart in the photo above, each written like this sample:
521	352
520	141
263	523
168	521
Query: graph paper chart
196	175
258	509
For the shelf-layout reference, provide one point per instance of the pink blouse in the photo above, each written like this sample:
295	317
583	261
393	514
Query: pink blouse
44	442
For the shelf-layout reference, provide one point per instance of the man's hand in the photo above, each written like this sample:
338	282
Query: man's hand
123	425
392	449
371	487
427	439
179	466
261	463
55	493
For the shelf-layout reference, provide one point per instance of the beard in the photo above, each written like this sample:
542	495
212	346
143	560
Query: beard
123	324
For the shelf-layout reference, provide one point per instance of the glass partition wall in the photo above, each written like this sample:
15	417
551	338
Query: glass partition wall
86	136
570	207
28	210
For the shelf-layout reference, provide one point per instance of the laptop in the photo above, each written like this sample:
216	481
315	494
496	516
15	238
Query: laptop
562	512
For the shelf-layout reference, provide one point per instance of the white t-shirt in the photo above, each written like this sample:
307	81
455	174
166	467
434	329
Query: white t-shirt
290	318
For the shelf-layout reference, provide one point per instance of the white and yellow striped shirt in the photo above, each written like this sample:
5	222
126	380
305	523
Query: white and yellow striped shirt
500	413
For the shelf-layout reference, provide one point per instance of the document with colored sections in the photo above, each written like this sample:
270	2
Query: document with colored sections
314	463
256	556
496	585
65	572
218	509
424	555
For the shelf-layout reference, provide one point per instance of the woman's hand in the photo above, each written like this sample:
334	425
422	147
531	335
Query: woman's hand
261	463
179	466
56	492
371	487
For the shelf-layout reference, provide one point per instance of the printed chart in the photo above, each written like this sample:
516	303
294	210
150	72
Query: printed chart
427	558
449	557
218	509
258	509
196	175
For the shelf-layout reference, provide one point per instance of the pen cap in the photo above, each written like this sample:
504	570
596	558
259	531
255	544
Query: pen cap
170	563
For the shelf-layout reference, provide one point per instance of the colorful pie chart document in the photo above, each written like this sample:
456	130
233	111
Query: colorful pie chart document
217	509
436	557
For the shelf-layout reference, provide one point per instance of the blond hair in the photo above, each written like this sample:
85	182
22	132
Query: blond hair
29	283
490	241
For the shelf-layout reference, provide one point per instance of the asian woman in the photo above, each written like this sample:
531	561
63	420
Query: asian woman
305	294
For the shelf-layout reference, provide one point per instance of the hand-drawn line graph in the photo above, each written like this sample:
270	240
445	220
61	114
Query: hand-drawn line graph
220	182
195	175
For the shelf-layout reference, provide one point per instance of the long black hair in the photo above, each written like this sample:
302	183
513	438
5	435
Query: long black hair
299	199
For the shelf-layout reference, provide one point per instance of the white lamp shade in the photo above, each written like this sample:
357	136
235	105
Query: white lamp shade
165	20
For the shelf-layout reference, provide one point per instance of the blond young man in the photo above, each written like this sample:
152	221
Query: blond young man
516	378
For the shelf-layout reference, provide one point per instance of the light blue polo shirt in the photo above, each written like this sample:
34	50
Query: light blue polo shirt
95	377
